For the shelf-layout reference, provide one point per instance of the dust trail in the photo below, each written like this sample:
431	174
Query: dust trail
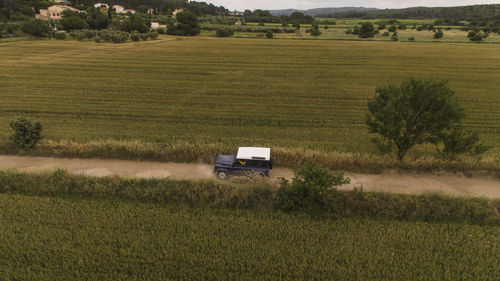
407	183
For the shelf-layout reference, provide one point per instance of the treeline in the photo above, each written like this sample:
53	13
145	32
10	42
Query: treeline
462	13
266	16
18	10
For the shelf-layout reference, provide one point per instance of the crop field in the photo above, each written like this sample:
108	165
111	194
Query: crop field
290	93
54	238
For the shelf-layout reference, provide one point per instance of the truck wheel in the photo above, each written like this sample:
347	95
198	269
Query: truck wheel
222	175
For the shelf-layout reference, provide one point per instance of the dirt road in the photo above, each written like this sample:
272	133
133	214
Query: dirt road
408	183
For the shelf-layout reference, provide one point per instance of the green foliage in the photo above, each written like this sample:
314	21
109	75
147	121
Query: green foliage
153	35
224	32
113	36
269	34
187	25
78	239
60	35
416	112
26	133
392	28
315	31
135	22
134	36
37	28
394	36
73	21
411	38
367	30
438	34
386	34
98	20
309	189
458	141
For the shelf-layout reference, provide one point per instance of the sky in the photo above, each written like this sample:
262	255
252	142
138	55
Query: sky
241	5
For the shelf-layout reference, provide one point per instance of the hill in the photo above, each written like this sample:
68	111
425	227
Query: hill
320	11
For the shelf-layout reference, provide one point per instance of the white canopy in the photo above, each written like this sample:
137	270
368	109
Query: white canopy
255	153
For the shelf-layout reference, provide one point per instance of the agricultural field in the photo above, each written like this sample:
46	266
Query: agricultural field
289	93
63	238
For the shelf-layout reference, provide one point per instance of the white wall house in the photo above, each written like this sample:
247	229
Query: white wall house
54	12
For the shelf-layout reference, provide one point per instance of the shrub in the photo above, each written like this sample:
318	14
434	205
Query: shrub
37	28
457	141
394	36
26	133
269	34
367	30
411	39
308	189
153	35
134	36
392	28
60	35
224	32
439	34
78	35
385	34
315	32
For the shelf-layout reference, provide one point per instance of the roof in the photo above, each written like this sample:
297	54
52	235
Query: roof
249	153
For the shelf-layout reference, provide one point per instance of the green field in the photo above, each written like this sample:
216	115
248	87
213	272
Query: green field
47	238
290	93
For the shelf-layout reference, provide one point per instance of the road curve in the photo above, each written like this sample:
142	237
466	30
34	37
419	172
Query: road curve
395	182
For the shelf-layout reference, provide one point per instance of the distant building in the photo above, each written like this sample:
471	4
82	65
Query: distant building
54	12
156	25
151	11
119	9
62	2
101	6
176	11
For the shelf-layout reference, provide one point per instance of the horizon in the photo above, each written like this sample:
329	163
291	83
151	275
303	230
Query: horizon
318	4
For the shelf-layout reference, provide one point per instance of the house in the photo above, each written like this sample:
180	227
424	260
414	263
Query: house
176	11
54	12
101	6
62	2
157	25
151	11
119	9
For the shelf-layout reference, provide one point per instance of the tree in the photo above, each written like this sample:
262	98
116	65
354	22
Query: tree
37	28
135	23
26	133
458	141
417	112
187	25
438	34
224	32
367	30
269	34
98	20
72	20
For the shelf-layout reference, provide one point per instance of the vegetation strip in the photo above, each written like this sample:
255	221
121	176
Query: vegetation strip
257	195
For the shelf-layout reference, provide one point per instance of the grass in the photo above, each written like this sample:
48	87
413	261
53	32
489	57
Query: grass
47	238
295	94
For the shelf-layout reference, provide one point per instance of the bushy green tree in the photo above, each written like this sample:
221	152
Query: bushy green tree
309	189
438	34
416	112
26	133
98	20
72	20
459	141
367	30
187	25
37	28
137	23
269	34
224	32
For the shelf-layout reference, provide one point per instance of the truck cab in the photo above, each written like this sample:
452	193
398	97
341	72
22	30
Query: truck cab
248	160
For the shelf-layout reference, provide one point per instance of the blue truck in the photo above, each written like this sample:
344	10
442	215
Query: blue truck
248	160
